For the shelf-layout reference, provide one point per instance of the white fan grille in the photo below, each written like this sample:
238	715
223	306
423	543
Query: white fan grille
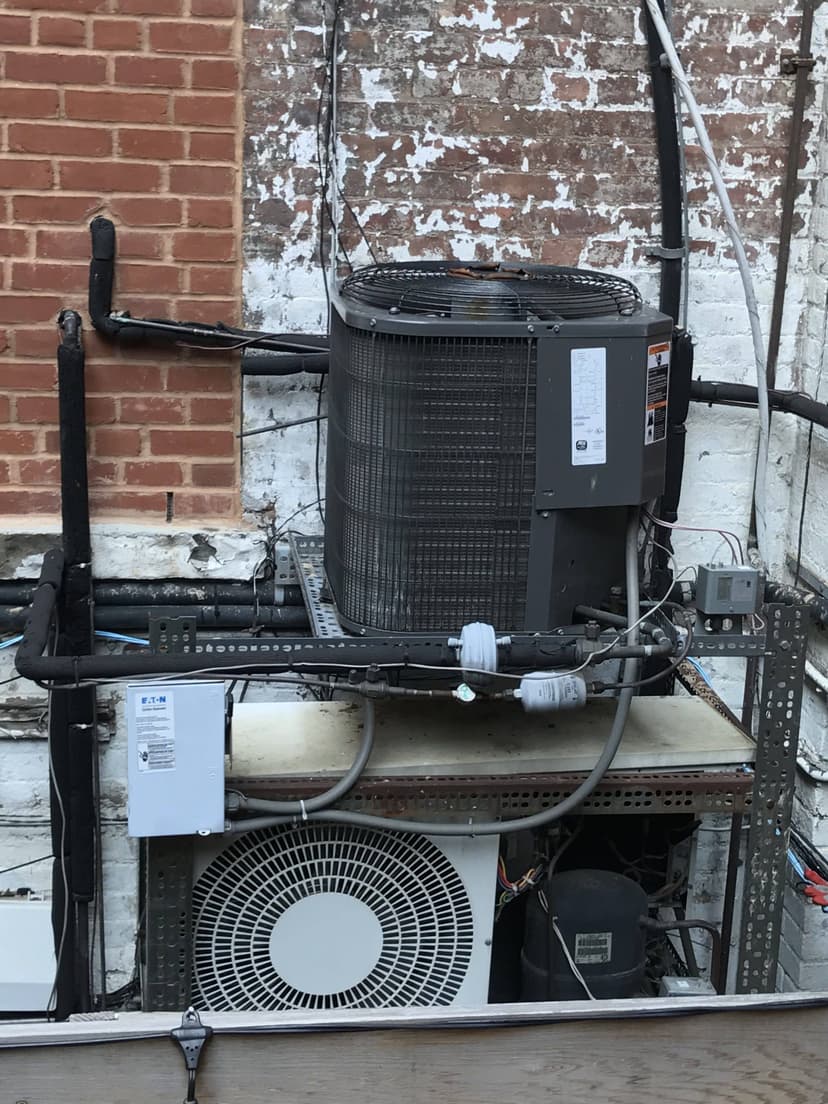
408	883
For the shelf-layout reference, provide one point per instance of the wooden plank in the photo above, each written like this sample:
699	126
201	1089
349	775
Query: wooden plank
754	1051
287	739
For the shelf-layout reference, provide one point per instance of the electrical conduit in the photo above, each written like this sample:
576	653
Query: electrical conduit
522	824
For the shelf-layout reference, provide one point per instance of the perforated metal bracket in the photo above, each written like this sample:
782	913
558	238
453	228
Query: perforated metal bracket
308	557
776	749
172	635
191	1037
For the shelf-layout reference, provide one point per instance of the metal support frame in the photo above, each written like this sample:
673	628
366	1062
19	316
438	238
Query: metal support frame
775	771
167	935
765	795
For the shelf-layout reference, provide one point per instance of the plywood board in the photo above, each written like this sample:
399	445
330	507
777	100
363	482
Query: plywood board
731	1050
290	739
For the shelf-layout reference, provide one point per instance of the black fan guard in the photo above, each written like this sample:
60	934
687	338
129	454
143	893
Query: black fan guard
494	292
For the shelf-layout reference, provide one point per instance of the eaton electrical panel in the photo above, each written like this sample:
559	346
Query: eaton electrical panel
176	758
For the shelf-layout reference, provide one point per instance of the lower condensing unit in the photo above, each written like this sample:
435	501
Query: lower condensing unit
326	916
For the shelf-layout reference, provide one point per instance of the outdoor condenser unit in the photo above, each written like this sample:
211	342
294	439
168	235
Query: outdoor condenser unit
329	916
488	425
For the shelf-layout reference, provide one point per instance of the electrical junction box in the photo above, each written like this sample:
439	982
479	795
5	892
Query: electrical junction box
722	590
175	734
27	954
686	987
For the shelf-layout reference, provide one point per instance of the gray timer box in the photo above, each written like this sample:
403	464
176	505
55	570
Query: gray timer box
724	590
175	737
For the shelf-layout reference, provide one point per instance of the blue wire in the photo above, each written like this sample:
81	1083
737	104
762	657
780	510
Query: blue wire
119	636
98	632
701	670
797	865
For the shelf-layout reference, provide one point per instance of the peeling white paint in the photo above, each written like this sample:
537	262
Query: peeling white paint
373	90
503	49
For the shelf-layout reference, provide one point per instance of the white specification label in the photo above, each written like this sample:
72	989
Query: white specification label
593	948
155	730
588	374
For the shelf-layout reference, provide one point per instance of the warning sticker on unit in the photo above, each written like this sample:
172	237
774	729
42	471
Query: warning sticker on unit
593	948
155	731
658	382
588	380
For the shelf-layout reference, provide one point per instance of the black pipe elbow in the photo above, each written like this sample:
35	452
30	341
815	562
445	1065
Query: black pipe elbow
36	629
102	277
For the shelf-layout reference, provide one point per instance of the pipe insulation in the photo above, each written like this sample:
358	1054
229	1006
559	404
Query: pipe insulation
168	592
680	77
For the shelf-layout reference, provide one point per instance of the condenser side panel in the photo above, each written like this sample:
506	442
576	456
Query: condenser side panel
601	420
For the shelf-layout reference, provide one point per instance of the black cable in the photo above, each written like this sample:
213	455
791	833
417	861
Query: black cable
318	454
31	862
805	480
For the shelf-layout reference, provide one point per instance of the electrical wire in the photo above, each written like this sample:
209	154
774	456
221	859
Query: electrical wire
11	641
801	529
682	83
576	973
698	667
64	876
318	450
725	534
121	638
29	862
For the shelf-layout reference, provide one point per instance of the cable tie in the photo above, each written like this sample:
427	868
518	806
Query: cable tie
303	810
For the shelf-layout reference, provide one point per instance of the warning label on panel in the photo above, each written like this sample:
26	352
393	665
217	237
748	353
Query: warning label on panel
593	948
588	381
155	731
658	382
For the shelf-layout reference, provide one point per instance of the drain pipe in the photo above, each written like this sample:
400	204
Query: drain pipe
72	732
671	255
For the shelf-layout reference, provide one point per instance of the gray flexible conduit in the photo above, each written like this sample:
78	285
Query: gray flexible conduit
522	824
344	786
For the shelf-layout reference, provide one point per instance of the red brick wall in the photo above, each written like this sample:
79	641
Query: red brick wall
127	109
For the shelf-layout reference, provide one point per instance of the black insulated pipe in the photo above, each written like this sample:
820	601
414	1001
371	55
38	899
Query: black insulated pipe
123	618
671	256
743	394
72	718
527	651
262	362
102	277
669	163
122	326
168	592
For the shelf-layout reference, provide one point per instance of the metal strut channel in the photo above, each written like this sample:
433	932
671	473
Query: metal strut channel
776	748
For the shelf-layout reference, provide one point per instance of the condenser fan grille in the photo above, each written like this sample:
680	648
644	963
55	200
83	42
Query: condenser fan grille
430	478
455	289
329	917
